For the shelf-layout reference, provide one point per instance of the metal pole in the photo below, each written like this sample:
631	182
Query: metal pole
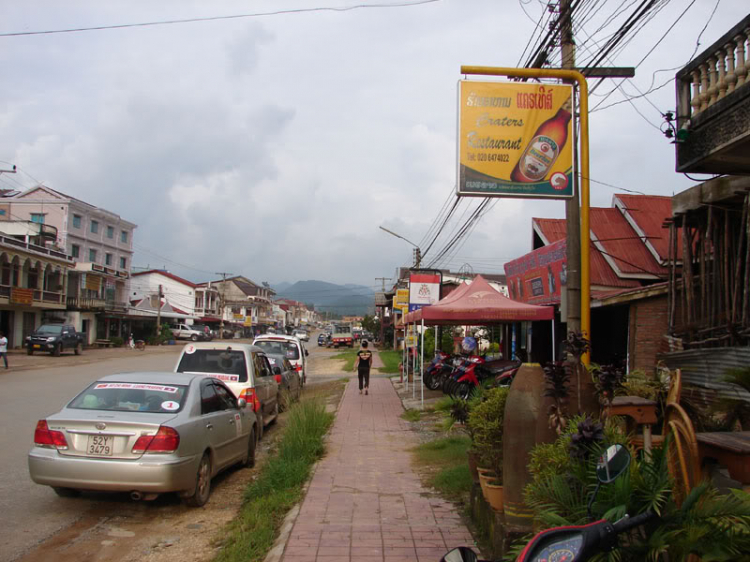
414	371
421	369
553	340
585	169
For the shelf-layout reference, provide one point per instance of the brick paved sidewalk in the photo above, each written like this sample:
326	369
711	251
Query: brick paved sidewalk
365	503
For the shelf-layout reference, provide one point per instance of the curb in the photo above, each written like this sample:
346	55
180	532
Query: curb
279	545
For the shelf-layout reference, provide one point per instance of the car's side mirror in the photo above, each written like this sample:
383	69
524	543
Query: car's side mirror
277	370
241	403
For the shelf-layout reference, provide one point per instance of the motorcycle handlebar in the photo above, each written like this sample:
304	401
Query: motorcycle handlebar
632	522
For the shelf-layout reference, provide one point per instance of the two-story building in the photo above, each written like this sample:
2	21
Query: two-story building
100	244
33	276
246	306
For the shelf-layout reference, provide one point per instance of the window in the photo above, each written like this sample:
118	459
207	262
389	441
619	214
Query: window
124	237
123	263
228	399
94	226
37	217
108	259
110	232
2	212
92	256
75	250
76	221
210	401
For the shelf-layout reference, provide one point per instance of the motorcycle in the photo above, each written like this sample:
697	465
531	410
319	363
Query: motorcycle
575	543
440	364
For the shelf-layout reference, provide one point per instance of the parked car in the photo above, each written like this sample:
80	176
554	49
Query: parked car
288	346
323	339
290	382
144	433
242	367
55	338
208	334
301	334
185	332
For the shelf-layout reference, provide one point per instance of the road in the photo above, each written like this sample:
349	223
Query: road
33	514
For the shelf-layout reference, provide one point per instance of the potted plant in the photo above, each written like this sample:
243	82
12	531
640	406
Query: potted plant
486	425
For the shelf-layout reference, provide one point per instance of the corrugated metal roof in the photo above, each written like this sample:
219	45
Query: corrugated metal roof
647	213
602	273
622	245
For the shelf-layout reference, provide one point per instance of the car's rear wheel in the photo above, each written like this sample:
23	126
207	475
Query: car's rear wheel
202	484
66	492
79	348
276	411
252	442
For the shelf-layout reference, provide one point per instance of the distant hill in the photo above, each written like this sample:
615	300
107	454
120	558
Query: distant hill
281	286
346	299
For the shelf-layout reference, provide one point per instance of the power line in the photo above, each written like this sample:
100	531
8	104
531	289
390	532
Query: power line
220	18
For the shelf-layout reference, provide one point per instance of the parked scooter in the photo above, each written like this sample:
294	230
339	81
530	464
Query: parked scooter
440	365
575	543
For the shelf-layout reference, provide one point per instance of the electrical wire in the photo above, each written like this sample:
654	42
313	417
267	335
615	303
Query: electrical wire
221	18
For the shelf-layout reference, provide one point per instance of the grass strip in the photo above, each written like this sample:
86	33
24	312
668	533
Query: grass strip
412	415
279	484
391	359
349	357
446	459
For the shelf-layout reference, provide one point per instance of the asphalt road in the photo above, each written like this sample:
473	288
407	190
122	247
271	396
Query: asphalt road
30	513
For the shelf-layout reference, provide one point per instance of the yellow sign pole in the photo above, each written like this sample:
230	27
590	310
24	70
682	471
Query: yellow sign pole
585	228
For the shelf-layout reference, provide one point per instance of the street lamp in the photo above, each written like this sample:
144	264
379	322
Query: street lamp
418	253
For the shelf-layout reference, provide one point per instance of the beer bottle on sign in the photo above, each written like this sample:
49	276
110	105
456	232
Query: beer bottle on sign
544	147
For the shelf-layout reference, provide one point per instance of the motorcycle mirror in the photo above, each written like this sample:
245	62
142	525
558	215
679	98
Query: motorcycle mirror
460	554
613	462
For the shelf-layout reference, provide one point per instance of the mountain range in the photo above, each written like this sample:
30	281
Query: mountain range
348	299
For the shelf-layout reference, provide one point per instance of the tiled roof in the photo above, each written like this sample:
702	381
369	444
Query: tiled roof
621	245
647	213
165	274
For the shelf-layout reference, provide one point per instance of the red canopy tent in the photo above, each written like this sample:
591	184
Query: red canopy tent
479	303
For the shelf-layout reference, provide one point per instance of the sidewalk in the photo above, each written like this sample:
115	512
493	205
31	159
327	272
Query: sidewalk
365	503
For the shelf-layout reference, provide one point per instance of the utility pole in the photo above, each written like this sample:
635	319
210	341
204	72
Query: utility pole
572	205
382	280
158	312
222	299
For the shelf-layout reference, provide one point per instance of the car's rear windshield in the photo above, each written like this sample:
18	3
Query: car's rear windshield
131	397
287	349
225	364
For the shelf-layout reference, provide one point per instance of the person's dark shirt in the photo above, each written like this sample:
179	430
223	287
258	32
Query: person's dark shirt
365	359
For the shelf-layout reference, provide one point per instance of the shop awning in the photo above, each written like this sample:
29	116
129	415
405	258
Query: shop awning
479	303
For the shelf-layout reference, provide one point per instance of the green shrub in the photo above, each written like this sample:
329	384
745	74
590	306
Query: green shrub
486	426
116	341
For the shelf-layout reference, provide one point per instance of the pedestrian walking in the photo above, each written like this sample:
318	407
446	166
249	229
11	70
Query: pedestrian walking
4	348
363	364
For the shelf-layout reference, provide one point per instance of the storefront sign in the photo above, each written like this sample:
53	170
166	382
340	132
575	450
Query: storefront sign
401	297
538	277
424	289
248	321
515	140
21	296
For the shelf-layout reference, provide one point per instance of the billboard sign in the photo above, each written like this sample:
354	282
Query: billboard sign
424	289
538	277
401	298
515	140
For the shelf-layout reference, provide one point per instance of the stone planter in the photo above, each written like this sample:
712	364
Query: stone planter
493	493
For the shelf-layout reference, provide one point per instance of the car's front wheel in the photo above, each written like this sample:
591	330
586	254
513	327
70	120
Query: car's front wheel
194	337
29	351
202	484
79	348
58	350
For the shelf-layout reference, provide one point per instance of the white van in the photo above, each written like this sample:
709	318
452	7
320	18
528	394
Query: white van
288	346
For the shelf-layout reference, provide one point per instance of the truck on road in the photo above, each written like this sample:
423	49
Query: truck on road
342	336
55	338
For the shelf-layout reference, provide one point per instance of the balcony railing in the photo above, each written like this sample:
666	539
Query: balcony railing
30	297
85	303
713	97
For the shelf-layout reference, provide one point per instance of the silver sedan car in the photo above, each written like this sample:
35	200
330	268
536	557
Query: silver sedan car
144	433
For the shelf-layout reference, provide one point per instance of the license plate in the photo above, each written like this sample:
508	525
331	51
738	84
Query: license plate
37	346
100	445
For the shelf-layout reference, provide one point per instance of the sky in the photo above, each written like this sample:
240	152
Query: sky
274	146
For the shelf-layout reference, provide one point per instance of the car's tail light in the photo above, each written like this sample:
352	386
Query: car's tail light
278	378
298	367
166	440
250	397
46	437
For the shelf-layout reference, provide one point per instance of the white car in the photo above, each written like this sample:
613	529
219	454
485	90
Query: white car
288	346
301	334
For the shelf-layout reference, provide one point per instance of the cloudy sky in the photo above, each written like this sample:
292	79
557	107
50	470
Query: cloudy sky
274	146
